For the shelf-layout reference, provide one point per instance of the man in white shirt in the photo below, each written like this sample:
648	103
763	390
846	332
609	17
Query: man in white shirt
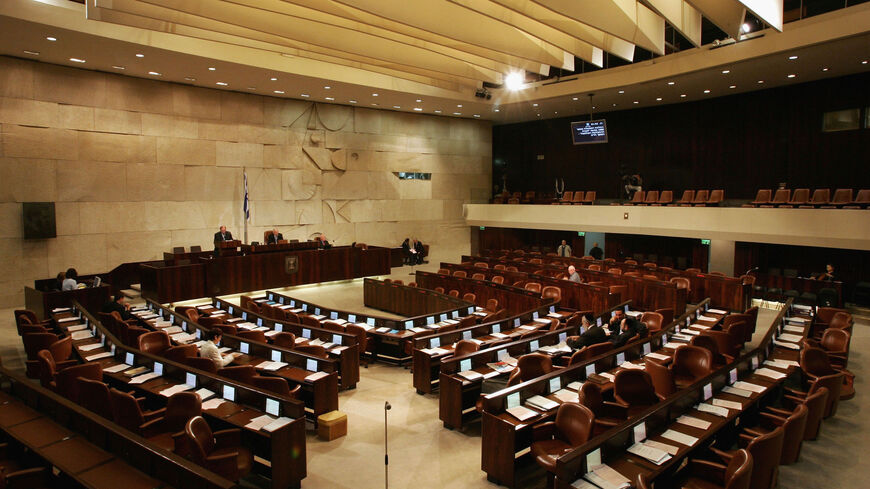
573	275
564	249
211	350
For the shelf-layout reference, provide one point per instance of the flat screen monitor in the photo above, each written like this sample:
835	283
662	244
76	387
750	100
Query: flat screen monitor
589	132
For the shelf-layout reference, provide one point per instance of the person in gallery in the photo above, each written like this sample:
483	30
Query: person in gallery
564	249
573	275
596	252
70	282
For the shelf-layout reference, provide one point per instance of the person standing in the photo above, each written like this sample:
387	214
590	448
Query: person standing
573	275
596	252
223	235
564	249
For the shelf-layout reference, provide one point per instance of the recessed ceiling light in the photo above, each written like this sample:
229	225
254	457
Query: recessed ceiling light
733	86
658	99
745	27
153	73
418	109
77	60
352	101
478	115
375	105
682	95
556	112
223	84
792	75
760	81
614	105
211	68
457	113
636	102
437	111
327	87
514	80
725	72
574	98
459	106
419	100
497	110
793	57
278	91
374	95
539	115
274	78
52	39
118	67
622	91
330	98
32	53
189	78
825	69
304	95
707	91
671	83
140	55
252	88
534	105
397	106
864	62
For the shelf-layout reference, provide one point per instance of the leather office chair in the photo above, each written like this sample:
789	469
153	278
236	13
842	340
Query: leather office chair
452	293
470	297
277	385
32	329
310	321
239	373
594	267
481	264
36	342
815	402
682	283
498	279
708	343
460	274
164	430
800	197
704	474
615	271
607	414
533	287
567	197
26	316
127	412
67	383
498	266
200	363
536	261
552	292
840	320
653	321
244	300
725	343
690	364
258	336
686	199
661	377
361	341
752	323
832	383
780	198
835	342
95	397
193	314
227	329
815	364
572	428
491	305
285	339
443	271
478	276
637	199
634	389
512	269
738	332
578	198
465	347
315	350
209	322
155	342
132	335
793	424
179	353
290	316
530	366
766	451
862	199
220	452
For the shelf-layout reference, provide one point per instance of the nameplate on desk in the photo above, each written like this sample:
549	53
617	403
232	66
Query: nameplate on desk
291	264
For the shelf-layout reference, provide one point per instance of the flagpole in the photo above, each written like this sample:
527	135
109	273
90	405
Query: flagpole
246	206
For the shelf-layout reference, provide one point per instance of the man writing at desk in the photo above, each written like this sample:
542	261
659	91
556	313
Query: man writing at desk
211	349
827	275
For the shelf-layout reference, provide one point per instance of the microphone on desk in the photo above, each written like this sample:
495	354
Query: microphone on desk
387	407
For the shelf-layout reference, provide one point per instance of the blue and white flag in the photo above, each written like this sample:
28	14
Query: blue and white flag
247	205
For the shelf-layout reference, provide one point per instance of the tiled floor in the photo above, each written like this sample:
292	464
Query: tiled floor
425	455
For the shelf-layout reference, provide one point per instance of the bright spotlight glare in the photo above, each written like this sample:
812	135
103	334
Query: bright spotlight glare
746	27
514	80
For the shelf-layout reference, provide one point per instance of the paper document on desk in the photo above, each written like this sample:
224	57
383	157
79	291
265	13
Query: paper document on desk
80	335
470	375
629	365
172	329
797	320
658	356
541	402
789	346
707	318
778	363
501	367
773	374
583	484
175	389
670	449
672	345
736	391
105	354
383	330
633	314
499	335
791	338
693	422
566	395
681	336
434	351
316	376
542	321
116	368
794	329
278	423
605	477
270	333
727	404
139	379
183	337
419	330
92	346
271	366
205	394
554	315
66	320
654	455
521	413
607	375
61	309
259	422
717	311
77	327
715	410
681	438
701	326
750	386
212	404
690	332
576	385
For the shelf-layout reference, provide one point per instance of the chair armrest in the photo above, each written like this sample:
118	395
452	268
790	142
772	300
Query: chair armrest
152	427
794	392
180	443
779	412
227	438
708	470
149	415
753	433
34	477
614	410
225	464
772	419
743	440
725	456
65	364
544	431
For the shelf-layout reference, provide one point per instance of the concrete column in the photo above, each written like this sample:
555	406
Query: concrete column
722	256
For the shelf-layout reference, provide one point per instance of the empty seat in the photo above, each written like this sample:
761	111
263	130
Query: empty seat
800	197
661	376
567	197
687	198
634	389
653	321
821	196
766	451
763	197
704	474
701	198
578	198
716	197
652	197
155	342
862	199
780	197
637	199
590	197
220	452
842	197
571	428
533	287
665	198
793	424
552	292
690	364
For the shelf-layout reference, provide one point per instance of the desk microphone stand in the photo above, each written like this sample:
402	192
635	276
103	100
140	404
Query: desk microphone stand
386	456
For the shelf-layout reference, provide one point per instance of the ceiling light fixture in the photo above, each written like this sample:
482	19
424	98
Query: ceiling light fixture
154	73
375	105
496	110
745	27
32	53
419	100
278	91
514	80
223	84
825	69
211	68
682	95
733	86
140	55
707	91
304	95
574	98
330	98
418	109
327	87
437	111
77	60
792	75
397	106
478	115
534	105
253	88
459	106
864	62
374	95
760	81
658	99
622	91
636	102
52	39
671	83
117	67
792	57
457	113
189	78
725	72
274	78
352	101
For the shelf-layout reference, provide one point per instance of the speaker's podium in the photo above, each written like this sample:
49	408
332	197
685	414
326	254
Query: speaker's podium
227	248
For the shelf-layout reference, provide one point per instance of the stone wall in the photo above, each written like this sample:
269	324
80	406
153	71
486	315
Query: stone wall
137	167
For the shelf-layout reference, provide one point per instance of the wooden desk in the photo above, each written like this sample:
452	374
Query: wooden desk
41	303
408	301
800	284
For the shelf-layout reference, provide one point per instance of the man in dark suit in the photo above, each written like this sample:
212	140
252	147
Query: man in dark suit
223	235
592	334
628	328
274	237
120	306
419	251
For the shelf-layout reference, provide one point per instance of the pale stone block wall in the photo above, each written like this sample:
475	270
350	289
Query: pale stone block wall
138	166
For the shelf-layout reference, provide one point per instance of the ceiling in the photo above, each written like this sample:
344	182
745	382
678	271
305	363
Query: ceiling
432	58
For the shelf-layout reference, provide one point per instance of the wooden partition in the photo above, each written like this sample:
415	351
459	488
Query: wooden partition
408	301
514	299
41	303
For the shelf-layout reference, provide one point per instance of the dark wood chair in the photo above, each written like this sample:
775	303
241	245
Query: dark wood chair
219	451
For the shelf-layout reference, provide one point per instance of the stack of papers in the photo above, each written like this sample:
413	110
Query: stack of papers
501	367
794	329
471	375
77	327
681	438
662	446
672	345
790	346
205	394
116	368
271	366
434	351
139	379
105	354
315	376
521	413
707	318
175	389
654	455
212	403
542	403
717	311
382	330
791	338
715	410
750	386
736	391
658	356
694	422
278	423
61	309
701	326
259	422
629	365
607	375
605	477
566	395
557	348
66	320
80	335
773	374
92	346
727	404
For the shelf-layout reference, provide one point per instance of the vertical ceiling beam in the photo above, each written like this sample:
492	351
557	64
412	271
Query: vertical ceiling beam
770	11
728	15
685	18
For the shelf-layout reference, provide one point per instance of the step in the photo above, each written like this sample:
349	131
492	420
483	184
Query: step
136	287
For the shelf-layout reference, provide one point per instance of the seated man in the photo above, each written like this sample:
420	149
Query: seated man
419	251
827	275
592	334
274	237
573	275
628	328
211	349
119	305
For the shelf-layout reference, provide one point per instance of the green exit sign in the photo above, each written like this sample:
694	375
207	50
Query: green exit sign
581	233
705	241
482	228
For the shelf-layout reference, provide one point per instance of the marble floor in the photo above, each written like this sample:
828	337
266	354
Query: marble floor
422	454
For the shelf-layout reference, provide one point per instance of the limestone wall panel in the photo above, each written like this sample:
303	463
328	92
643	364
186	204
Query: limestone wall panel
138	94
169	126
27	180
28	112
37	142
238	154
75	117
200	103
118	121
16	78
125	148
146	182
241	107
177	151
212	183
54	83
